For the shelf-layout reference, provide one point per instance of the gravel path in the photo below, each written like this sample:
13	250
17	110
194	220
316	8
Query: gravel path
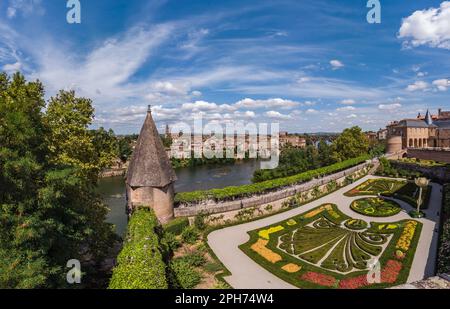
247	274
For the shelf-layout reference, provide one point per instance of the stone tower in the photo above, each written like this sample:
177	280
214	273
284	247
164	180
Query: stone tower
150	177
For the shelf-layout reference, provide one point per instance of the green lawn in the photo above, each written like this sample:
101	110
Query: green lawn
324	248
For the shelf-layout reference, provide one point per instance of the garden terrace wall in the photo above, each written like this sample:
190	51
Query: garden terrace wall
212	207
436	173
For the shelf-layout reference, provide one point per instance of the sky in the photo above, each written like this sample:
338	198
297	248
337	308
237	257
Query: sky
311	66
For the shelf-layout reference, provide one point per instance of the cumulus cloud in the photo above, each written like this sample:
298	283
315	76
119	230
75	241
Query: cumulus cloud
427	27
277	115
12	68
336	64
419	85
389	107
275	102
348	102
442	84
311	111
346	109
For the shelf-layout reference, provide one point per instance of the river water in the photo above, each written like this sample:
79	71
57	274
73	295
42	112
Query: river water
189	179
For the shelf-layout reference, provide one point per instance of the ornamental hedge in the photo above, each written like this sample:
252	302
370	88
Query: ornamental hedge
233	192
140	263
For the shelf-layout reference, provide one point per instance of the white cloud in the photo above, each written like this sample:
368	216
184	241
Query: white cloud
196	93
352	116
427	27
277	115
336	64
12	68
346	109
389	107
311	111
25	7
442	84
419	85
274	102
348	102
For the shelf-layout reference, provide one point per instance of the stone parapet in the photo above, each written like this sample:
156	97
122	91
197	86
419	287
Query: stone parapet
212	207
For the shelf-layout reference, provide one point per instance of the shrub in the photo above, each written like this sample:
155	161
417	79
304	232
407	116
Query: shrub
184	275
190	235
176	226
140	263
194	259
230	193
200	222
170	241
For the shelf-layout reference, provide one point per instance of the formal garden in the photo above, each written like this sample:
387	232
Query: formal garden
403	190
375	207
324	248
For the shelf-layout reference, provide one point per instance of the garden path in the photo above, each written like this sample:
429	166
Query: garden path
247	274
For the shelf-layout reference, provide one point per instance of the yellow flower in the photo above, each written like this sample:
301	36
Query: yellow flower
291	222
265	233
404	241
260	248
291	268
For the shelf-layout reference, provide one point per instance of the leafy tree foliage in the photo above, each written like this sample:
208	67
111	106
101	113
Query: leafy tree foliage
49	211
351	143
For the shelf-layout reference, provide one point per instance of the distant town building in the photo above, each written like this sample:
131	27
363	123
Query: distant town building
292	140
372	136
150	177
423	131
382	134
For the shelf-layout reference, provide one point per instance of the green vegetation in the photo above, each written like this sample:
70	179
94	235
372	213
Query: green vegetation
50	212
190	235
314	250
386	169
234	192
399	189
140	263
421	162
176	226
375	207
444	246
352	143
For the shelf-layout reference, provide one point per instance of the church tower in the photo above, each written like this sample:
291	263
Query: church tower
150	176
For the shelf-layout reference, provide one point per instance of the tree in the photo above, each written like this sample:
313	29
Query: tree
49	209
71	143
351	143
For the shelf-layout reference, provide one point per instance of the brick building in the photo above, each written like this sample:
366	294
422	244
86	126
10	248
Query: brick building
423	131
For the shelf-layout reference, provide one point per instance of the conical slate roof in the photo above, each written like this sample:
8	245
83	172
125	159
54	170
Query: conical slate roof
428	118
150	165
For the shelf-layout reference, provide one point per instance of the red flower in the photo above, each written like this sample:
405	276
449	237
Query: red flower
390	272
320	279
354	283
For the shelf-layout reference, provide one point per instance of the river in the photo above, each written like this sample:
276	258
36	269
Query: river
189	179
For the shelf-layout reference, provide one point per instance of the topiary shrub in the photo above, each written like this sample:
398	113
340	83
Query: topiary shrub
200	222
140	263
176	226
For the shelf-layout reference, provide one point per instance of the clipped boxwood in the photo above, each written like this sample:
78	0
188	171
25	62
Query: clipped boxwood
233	192
176	226
140	263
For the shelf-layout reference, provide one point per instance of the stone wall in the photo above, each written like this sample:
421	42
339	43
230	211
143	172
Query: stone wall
436	173
439	155
212	207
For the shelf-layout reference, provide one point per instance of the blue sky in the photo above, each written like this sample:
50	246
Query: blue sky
309	65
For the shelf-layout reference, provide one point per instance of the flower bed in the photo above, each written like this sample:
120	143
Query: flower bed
375	207
318	249
399	189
